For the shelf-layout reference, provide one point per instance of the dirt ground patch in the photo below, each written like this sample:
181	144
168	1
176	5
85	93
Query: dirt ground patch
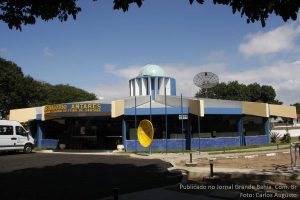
281	161
261	187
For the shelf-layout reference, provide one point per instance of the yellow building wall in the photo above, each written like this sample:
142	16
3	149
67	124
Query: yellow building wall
117	108
256	109
22	115
283	111
196	107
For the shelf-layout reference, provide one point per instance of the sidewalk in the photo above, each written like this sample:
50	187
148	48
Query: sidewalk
85	152
161	194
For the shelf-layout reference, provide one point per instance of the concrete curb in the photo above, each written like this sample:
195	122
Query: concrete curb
84	152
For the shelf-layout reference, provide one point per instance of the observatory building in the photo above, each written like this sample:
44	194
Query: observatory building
180	123
152	81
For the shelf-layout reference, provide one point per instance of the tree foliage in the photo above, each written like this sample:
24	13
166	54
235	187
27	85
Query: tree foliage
19	91
11	81
237	91
16	13
259	10
297	107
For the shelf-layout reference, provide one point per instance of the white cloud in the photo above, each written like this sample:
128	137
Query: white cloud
216	56
183	74
115	90
125	72
48	52
3	50
281	39
283	76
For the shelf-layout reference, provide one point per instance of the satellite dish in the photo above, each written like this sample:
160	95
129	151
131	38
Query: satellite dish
206	80
145	133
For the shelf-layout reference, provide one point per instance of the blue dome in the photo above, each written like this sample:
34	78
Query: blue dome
152	70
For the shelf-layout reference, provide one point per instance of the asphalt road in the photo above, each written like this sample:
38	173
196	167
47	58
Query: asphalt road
60	176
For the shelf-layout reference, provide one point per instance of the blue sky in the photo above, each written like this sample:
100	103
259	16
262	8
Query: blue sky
103	48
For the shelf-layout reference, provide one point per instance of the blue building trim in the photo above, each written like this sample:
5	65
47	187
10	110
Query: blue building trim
124	133
180	144
39	136
255	140
267	130
49	143
38	116
173	86
223	111
241	131
106	108
215	142
156	111
158	145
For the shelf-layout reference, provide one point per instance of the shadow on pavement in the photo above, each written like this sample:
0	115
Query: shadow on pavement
82	181
9	153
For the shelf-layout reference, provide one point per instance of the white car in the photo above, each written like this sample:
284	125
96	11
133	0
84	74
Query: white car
14	137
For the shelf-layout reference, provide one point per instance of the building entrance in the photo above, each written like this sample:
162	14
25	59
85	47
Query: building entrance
93	133
85	132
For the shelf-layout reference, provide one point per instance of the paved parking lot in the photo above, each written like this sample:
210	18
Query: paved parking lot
61	176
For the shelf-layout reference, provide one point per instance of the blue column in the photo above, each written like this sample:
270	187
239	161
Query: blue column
124	133
198	121
141	86
134	88
173	87
130	88
165	85
189	135
39	136
156	86
149	86
267	130
241	131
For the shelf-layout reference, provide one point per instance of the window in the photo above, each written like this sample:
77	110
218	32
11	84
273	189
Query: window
20	131
6	130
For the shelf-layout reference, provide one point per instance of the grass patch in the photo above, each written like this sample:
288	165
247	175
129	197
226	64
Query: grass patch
220	150
240	147
246	150
162	151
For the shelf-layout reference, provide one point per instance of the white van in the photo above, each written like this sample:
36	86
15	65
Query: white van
14	137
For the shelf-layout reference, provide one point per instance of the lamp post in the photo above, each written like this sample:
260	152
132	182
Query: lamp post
211	163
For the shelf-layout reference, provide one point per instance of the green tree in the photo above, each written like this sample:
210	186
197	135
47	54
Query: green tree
297	107
70	94
11	83
254	92
19	91
236	91
268	94
17	13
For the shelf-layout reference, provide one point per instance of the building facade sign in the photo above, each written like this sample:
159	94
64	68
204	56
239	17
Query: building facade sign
73	107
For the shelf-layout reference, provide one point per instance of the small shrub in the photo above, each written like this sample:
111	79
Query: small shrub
274	137
286	138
